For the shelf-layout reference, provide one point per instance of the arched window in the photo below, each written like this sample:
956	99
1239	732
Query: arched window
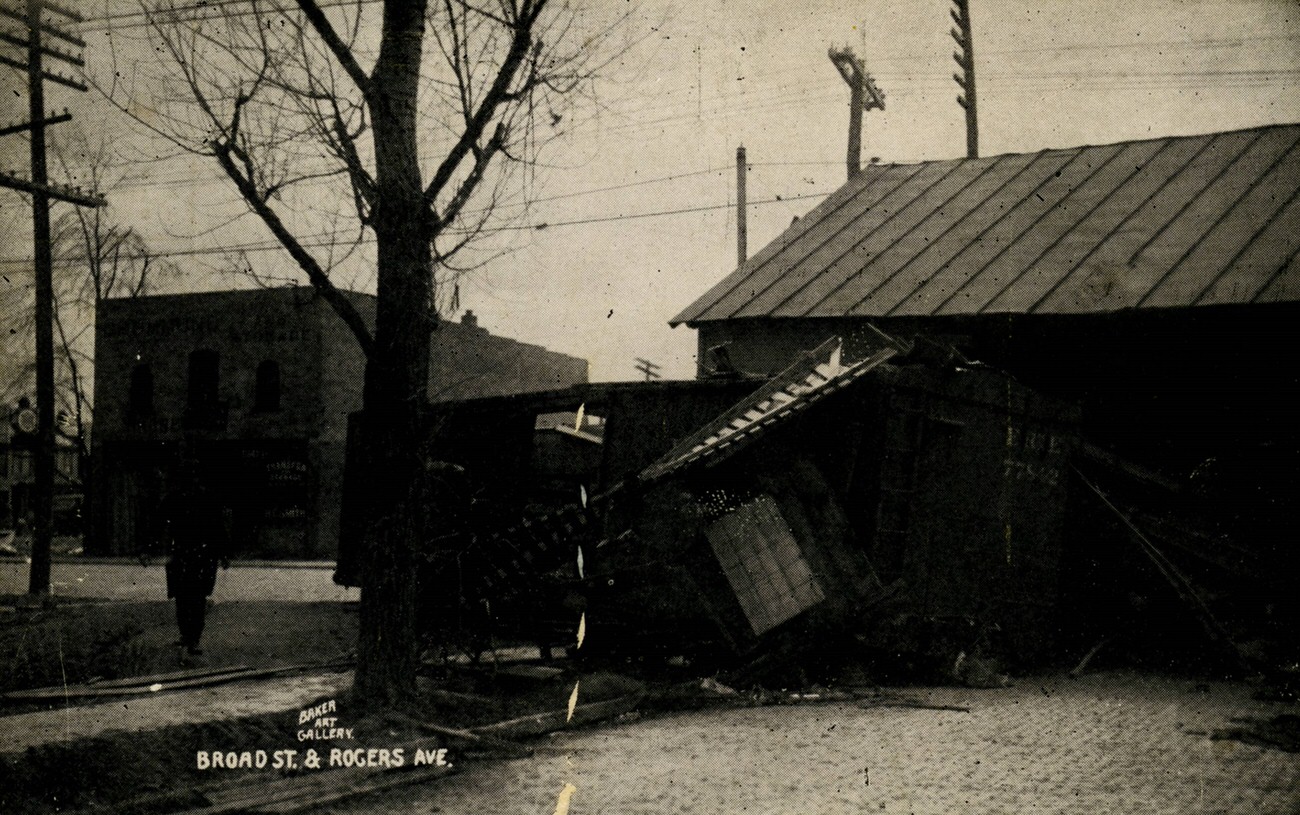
266	395
140	395
203	380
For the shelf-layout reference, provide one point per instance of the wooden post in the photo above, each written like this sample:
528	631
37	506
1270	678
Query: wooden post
742	225
43	498
863	95
966	79
42	193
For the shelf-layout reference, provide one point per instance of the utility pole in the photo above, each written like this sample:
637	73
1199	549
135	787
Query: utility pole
863	95
742	223
42	193
650	369
966	59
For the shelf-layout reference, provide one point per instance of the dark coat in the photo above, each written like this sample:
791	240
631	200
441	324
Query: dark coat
195	530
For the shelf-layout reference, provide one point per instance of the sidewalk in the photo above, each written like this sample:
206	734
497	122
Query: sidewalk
129	581
139	713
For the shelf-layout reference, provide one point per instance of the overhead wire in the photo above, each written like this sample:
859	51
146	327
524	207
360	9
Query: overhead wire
308	243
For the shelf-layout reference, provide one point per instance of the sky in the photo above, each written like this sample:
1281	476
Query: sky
634	213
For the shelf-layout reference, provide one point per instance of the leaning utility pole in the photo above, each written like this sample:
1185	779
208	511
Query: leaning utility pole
863	95
650	369
42	192
966	79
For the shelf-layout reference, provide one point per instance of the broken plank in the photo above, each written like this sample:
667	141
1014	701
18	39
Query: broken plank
1092	652
482	739
84	692
540	723
906	703
193	673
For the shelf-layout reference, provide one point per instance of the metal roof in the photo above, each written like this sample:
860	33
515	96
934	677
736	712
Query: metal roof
1172	222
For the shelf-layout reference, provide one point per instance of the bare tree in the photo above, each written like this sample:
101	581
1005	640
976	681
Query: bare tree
408	122
95	257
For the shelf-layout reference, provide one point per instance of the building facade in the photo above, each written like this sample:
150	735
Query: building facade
18	474
253	388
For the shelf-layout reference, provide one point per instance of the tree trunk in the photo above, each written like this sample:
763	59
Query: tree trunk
397	370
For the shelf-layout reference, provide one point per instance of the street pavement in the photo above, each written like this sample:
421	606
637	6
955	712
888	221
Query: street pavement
1106	743
129	581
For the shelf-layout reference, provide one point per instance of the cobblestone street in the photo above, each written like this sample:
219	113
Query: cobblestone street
1107	743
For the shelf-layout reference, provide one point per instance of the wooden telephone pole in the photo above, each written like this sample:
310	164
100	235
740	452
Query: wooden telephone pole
42	193
966	79
650	369
863	95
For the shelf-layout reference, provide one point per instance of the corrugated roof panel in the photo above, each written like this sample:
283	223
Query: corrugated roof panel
811	268
1070	233
1231	233
1249	275
847	260
1194	224
990	242
896	263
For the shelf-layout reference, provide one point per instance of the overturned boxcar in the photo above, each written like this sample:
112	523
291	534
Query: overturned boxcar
704	518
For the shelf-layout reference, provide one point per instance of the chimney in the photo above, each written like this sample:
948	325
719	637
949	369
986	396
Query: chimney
469	319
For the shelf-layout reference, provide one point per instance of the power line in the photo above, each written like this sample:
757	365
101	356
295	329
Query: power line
264	246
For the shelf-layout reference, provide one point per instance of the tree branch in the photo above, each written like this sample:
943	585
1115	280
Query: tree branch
336	45
225	153
496	95
482	158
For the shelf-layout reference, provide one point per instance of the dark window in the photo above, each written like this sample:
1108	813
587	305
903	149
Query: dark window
266	396
203	379
203	410
140	398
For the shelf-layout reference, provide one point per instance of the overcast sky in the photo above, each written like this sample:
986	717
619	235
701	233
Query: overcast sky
605	259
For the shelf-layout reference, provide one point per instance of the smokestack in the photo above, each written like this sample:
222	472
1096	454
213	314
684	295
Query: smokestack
742	229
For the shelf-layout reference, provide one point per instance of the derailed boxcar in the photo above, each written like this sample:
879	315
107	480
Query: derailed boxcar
838	486
724	515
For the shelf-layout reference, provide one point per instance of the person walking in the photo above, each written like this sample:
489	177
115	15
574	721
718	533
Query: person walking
194	532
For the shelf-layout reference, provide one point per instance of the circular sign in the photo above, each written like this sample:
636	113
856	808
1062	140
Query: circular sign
25	421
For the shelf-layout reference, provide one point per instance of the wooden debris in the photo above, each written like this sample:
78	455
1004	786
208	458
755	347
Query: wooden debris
458	698
482	739
1092	652
193	673
101	690
540	723
910	703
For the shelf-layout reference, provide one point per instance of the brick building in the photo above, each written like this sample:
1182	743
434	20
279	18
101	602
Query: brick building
255	387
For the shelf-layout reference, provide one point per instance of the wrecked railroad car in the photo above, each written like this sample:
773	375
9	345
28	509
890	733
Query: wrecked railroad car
720	514
514	470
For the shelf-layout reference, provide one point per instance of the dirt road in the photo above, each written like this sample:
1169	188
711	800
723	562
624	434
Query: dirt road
1110	743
